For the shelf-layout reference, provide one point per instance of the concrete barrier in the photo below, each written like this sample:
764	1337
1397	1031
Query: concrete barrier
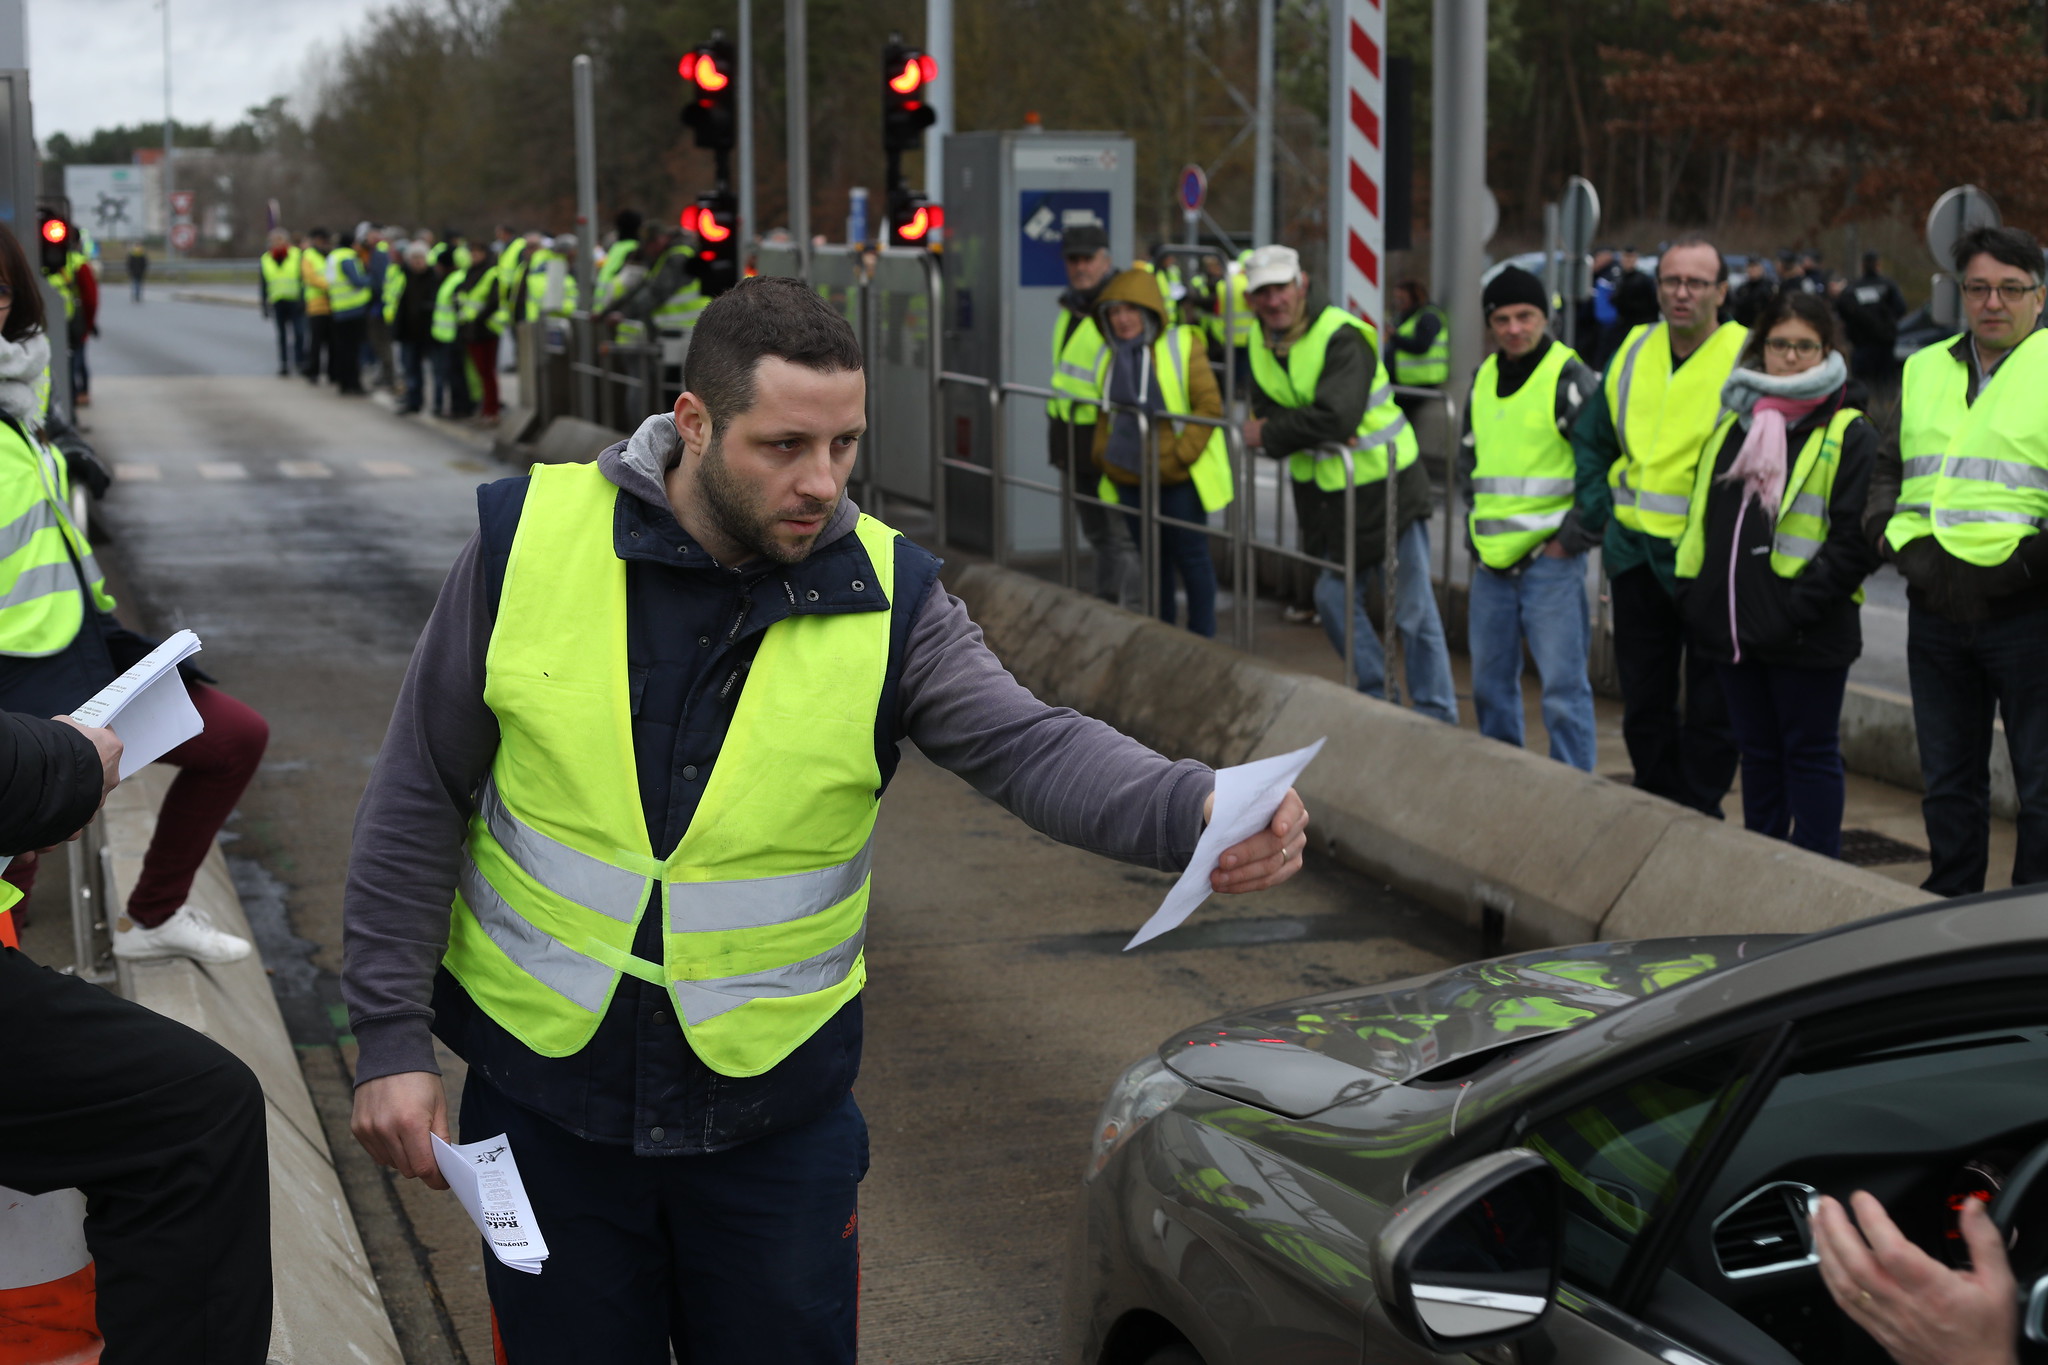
326	1310
569	440
1496	837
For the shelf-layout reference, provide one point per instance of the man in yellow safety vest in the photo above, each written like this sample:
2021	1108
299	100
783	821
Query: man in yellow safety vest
1636	453
1070	417
615	851
1529	552
1965	530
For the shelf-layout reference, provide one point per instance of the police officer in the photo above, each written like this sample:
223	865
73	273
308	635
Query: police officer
1871	307
1078	348
1529	575
631	785
1317	384
1637	452
1966	535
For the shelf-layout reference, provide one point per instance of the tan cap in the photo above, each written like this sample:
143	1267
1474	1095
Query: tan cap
1272	265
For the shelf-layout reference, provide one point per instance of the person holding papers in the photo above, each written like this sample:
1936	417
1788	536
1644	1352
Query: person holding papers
615	849
60	644
161	1127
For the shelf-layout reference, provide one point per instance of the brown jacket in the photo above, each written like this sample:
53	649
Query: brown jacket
1177	452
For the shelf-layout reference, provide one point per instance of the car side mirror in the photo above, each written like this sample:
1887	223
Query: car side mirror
1472	1259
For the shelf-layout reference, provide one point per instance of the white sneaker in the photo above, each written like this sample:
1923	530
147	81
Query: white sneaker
187	933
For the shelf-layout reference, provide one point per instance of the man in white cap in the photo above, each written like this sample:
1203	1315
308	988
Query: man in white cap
1318	387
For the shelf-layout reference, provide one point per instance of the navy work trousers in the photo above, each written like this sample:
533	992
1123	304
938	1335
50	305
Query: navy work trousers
1962	675
742	1256
1788	726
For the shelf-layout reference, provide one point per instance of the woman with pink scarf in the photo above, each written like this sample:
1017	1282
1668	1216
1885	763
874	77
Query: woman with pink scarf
1772	562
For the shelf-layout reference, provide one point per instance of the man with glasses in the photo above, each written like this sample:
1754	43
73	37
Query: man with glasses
1972	478
1636	455
1077	346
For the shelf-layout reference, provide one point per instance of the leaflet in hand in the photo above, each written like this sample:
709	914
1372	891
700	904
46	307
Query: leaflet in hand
1247	798
148	706
486	1179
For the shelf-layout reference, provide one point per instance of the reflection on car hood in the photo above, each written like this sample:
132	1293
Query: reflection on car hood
1302	1057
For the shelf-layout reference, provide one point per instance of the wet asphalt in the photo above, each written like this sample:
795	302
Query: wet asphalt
304	537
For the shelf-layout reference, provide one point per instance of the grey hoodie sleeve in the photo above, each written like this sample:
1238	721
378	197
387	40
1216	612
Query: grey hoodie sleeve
1068	776
410	828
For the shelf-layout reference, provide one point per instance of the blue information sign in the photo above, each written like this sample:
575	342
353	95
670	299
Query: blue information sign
1044	218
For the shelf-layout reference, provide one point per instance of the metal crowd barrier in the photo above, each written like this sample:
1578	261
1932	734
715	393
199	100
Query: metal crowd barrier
616	385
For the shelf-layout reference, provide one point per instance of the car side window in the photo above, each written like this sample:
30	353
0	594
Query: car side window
1621	1156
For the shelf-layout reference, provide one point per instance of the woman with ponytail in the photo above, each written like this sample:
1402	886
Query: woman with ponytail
1772	563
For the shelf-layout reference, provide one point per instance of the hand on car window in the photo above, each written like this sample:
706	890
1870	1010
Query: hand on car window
1919	1310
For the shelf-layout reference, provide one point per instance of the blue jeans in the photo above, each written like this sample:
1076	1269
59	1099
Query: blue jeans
1788	726
1422	630
1182	553
1544	604
745	1255
1961	675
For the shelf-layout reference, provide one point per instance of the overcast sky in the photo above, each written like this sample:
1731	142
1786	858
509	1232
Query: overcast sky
97	63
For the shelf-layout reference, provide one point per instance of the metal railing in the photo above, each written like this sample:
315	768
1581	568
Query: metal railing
616	385
86	859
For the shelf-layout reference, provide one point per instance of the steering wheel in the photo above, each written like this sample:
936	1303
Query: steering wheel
2029	1250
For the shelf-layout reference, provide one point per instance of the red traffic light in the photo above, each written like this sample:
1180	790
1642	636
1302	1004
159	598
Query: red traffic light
690	216
710	229
927	219
55	231
917	72
700	68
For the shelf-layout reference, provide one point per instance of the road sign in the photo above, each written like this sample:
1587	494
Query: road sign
1956	212
1194	189
183	235
1578	219
181	203
109	201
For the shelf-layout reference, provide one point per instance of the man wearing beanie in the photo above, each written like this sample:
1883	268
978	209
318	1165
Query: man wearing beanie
1318	383
1637	452
1529	551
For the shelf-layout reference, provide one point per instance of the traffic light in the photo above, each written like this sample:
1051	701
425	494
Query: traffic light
55	231
715	218
913	221
905	114
712	73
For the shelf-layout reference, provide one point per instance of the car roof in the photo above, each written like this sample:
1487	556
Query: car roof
1993	925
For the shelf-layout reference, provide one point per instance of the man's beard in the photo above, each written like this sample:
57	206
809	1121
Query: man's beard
733	509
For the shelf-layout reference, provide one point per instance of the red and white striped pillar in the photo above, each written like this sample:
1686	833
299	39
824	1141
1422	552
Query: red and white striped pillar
1358	102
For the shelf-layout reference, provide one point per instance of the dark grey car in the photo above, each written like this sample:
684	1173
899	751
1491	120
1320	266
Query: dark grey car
1595	1155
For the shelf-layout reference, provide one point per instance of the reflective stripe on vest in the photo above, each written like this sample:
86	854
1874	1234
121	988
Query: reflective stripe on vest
1992	490
1078	347
764	901
283	281
1432	366
679	312
47	569
1661	418
1803	517
604	289
1294	386
342	294
1522	475
1934	402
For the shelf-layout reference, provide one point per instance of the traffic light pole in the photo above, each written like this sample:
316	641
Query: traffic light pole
750	227
586	179
797	75
938	41
1262	137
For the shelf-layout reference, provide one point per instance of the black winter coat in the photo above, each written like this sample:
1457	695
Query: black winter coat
1811	621
50	781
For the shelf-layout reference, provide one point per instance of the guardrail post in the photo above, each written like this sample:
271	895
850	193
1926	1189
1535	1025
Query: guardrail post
1246	587
1389	572
998	491
1350	568
1148	517
935	287
1070	567
1450	494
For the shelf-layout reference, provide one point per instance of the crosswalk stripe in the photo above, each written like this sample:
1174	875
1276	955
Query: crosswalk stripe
304	469
139	473
223	469
389	469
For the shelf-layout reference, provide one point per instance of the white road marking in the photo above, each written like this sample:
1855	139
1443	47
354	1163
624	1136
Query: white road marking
223	469
139	473
304	469
389	469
